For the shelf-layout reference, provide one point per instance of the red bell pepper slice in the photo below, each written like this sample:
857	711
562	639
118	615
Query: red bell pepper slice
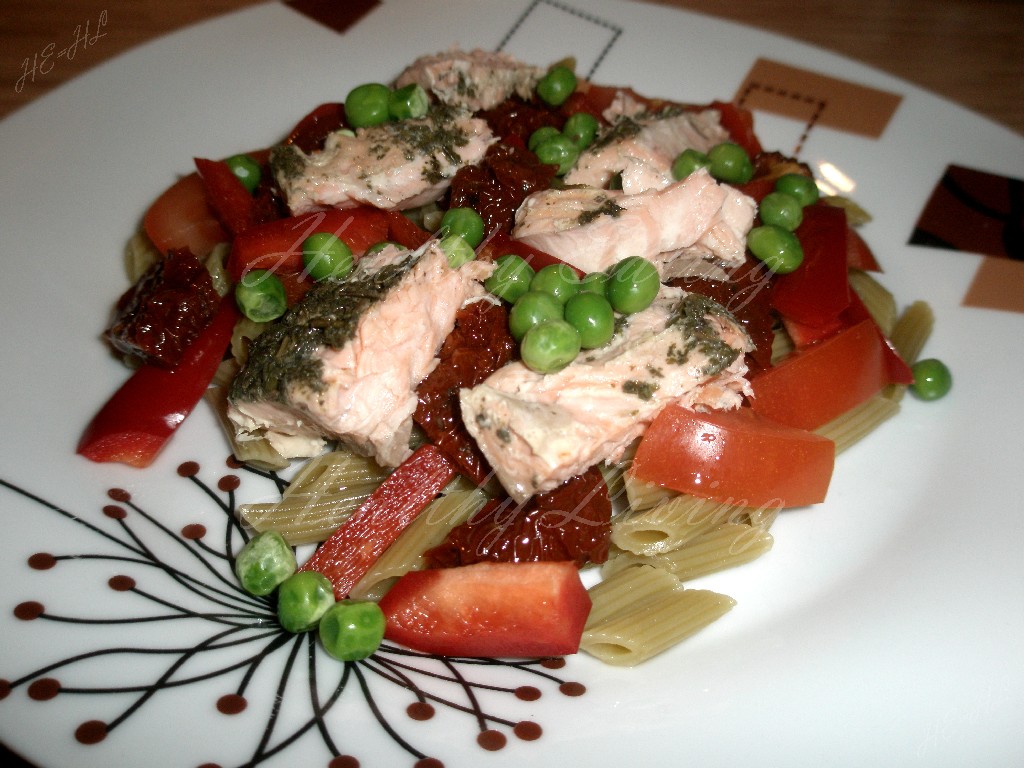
138	420
405	232
277	245
228	197
735	456
819	290
739	122
497	610
350	551
858	254
816	384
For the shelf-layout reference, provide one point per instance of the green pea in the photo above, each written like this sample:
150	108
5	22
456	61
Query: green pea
457	250
411	101
595	282
550	346
799	186
781	209
367	104
264	562
302	599
530	309
730	163
558	150
932	379
352	629
593	317
465	222
560	280
688	161
581	128
778	248
246	170
541	135
557	85
261	296
325	257
633	283
511	277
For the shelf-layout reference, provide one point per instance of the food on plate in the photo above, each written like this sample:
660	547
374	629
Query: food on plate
509	325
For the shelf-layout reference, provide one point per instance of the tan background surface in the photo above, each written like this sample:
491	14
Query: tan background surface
969	51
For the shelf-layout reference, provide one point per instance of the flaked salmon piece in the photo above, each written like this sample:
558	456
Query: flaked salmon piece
344	363
594	228
400	164
472	80
639	148
538	430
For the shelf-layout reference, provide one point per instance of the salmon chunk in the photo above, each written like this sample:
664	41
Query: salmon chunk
639	148
538	430
475	80
593	228
401	164
344	363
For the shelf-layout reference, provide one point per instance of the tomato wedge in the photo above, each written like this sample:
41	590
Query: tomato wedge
138	420
181	218
816	384
277	245
501	610
735	456
349	552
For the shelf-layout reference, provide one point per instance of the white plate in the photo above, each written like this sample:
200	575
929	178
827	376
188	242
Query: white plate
883	629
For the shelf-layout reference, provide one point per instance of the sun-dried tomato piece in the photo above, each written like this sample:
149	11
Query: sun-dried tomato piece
572	522
158	317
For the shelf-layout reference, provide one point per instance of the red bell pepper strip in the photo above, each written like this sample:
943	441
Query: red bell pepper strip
138	420
504	610
819	290
739	122
228	197
501	244
277	244
309	133
858	254
353	548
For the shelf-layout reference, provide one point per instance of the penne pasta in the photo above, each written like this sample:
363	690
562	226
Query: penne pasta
672	523
878	300
727	546
319	499
859	422
909	337
642	611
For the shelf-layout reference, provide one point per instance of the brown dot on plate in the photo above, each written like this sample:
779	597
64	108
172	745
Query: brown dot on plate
343	761
232	462
28	610
119	494
121	583
420	710
428	762
188	469
42	561
573	689
91	732
115	512
210	765
193	531
43	689
5	689
527	693
229	483
556	663
231	704
527	730
491	740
